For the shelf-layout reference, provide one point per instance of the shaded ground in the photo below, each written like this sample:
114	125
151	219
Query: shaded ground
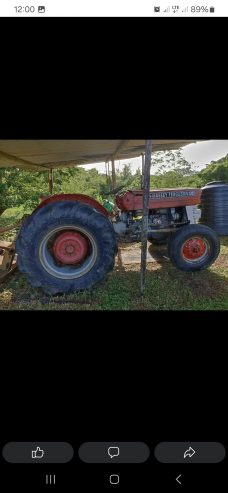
166	287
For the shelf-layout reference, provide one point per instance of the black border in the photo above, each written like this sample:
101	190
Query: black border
170	368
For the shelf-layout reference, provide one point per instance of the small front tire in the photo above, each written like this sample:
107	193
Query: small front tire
193	247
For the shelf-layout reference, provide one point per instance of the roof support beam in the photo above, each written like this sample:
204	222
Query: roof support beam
113	175
119	147
8	159
115	154
50	180
143	166
146	192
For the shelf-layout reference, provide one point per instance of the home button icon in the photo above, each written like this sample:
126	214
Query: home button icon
114	479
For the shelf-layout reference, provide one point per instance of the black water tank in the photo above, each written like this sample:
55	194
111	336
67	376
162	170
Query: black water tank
214	201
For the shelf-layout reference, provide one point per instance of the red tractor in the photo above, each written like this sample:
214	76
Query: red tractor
70	241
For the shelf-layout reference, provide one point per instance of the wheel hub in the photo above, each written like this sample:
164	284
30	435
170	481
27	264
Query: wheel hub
70	248
194	248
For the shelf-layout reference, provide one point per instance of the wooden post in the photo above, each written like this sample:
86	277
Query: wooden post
50	180
113	175
2	209
146	191
108	177
143	167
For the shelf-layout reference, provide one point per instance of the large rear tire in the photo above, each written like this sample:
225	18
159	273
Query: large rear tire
194	247
66	247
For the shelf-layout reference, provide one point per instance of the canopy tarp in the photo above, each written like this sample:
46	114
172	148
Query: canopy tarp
41	155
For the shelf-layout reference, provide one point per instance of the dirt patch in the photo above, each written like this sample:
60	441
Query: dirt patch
130	254
207	286
221	262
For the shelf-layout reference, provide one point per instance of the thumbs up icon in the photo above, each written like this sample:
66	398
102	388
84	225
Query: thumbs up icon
38	453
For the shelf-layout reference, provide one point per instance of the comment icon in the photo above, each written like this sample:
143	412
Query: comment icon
113	452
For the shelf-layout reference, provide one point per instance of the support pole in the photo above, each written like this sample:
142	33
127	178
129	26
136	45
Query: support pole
113	175
106	171
143	169
50	180
146	191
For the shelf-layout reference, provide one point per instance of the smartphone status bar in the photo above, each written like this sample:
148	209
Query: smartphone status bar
111	8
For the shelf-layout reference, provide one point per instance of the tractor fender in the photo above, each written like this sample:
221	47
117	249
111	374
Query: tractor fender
74	197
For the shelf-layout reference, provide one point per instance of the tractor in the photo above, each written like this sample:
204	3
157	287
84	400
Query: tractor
70	241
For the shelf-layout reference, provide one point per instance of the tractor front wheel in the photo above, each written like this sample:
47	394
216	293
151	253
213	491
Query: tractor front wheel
193	247
66	247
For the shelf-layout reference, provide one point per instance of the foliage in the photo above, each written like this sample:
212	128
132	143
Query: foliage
163	162
22	189
183	176
125	179
215	172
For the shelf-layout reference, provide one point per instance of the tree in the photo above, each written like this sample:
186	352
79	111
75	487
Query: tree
214	172
163	162
125	179
21	188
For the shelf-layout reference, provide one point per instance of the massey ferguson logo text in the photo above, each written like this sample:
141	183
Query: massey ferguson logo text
171	195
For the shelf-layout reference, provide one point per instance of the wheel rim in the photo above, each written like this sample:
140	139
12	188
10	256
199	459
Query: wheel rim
195	249
68	252
70	248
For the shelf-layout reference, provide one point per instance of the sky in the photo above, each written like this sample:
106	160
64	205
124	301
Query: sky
200	153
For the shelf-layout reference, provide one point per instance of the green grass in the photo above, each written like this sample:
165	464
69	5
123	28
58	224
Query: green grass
166	289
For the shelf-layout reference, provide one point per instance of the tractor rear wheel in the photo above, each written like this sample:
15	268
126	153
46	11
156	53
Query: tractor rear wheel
66	247
194	247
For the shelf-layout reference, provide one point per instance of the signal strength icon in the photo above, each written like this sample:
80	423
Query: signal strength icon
167	10
185	10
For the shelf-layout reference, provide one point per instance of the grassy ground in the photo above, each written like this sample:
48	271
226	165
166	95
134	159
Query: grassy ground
166	289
